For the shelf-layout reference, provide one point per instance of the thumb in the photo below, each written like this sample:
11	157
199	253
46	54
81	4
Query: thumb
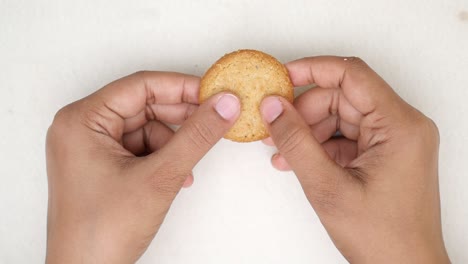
316	171
201	131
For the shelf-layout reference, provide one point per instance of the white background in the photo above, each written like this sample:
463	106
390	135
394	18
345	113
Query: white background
239	210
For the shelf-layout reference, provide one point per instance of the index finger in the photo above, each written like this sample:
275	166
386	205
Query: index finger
125	98
364	88
131	94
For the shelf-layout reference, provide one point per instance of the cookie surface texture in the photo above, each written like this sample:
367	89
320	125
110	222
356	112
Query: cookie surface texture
251	75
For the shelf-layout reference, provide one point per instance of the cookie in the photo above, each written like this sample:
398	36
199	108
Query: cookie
251	75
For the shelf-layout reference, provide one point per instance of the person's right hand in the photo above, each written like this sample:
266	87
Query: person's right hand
376	189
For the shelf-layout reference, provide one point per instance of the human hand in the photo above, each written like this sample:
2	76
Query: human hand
376	188
114	167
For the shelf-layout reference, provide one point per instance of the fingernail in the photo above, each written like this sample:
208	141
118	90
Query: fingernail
228	106
271	108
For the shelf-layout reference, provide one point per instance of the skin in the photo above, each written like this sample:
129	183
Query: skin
114	167
375	188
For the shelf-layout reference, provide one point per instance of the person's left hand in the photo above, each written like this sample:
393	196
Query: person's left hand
114	167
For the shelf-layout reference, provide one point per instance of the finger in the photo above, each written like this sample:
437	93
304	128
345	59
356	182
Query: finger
328	111
280	163
348	130
202	130
174	114
268	141
319	103
147	139
328	128
325	129
107	109
364	88
341	150
316	171
188	181
322	131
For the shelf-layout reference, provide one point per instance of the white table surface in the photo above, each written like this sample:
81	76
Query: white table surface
239	210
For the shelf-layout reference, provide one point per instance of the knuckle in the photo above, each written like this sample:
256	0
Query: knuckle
140	74
201	135
356	63
62	115
422	130
189	111
421	122
434	129
291	139
62	120
430	130
355	60
60	130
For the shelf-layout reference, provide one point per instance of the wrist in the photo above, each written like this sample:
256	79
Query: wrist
82	246
404	253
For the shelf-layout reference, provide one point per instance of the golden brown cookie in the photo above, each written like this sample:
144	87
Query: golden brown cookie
251	75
